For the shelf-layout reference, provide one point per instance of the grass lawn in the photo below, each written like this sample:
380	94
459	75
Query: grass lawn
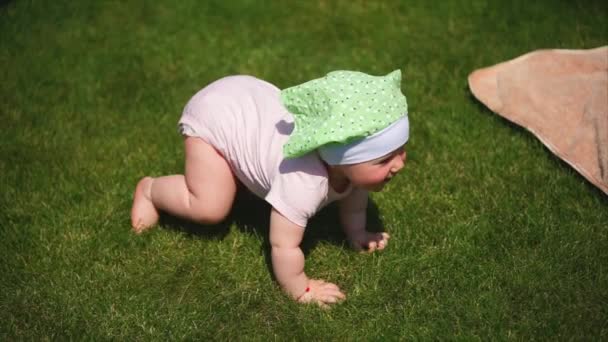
493	238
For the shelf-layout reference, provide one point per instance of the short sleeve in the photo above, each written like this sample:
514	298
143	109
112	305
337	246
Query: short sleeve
298	195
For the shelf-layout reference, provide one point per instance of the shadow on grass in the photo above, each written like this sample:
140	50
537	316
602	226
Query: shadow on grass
252	215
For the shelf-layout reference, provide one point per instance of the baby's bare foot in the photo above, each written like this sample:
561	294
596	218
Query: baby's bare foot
143	213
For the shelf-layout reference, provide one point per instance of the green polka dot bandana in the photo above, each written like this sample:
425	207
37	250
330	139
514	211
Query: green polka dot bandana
341	107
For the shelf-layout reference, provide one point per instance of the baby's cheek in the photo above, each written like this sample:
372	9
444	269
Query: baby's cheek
377	177
375	182
370	176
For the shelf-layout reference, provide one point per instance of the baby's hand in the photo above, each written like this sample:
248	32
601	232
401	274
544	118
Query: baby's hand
321	293
365	241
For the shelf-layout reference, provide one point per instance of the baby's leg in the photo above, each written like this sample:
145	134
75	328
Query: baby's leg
204	194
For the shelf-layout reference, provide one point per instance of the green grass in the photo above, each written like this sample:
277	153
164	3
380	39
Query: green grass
493	237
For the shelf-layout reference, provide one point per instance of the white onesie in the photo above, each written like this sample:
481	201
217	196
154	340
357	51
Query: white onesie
243	118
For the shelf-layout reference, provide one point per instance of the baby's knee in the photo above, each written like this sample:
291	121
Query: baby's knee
210	214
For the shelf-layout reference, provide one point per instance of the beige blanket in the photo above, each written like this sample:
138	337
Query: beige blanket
561	96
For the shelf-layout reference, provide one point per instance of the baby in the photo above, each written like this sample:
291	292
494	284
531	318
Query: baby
330	139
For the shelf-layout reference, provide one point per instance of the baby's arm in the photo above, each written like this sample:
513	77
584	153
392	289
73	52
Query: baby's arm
353	216
288	264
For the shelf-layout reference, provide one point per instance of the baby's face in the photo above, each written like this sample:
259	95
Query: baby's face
374	174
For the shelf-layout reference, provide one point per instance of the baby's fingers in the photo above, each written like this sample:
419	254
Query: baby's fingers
333	292
326	293
382	240
329	287
330	296
385	236
371	246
